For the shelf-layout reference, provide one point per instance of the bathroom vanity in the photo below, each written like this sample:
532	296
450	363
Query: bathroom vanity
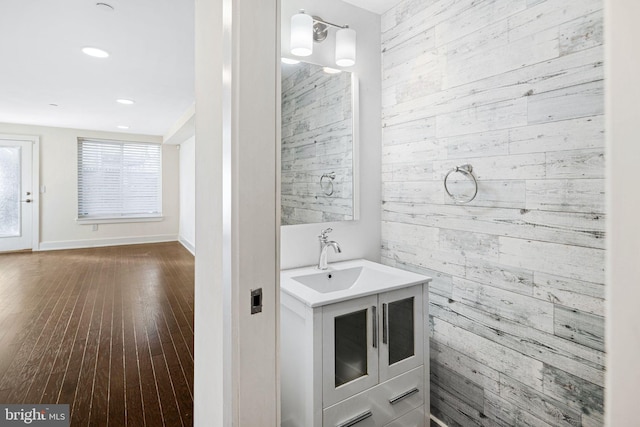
354	346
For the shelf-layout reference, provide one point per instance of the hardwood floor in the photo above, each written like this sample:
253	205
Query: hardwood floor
108	331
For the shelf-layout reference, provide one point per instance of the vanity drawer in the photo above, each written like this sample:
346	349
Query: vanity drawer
379	405
414	418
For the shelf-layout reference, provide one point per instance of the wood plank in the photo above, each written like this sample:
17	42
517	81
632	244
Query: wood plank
563	72
80	407
471	21
477	372
484	118
452	410
457	385
550	410
545	15
575	164
568	261
499	357
499	59
501	276
557	227
402	133
506	412
483	144
573	134
519	166
412	241
576	359
585	397
417	192
467	244
505	305
583	328
582	33
585	296
584	100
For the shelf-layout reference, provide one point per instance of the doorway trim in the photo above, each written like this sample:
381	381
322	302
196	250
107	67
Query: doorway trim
35	179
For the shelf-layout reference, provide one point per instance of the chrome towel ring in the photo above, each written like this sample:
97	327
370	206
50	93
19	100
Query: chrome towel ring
326	183
465	169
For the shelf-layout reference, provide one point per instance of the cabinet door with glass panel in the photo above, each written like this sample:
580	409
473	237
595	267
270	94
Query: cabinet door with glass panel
370	340
401	325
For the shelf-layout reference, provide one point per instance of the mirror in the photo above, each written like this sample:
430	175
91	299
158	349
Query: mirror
319	145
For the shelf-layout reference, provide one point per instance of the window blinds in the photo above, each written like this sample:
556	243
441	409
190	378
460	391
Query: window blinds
119	179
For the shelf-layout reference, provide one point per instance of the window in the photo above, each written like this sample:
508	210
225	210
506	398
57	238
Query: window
119	180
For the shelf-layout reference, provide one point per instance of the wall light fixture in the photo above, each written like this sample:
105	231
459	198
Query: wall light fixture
306	29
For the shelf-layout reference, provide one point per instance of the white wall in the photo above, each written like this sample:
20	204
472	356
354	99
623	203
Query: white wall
58	205
236	364
623	262
358	239
187	229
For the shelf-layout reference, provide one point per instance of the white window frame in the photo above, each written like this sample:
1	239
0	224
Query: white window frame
115	218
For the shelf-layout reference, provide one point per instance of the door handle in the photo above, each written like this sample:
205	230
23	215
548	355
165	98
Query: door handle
384	324
404	395
355	420
374	324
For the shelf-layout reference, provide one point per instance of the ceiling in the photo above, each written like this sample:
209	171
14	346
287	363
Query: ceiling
375	6
151	43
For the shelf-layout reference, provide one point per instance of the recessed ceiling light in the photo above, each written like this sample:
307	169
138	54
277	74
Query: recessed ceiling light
95	52
329	70
104	6
123	127
125	101
289	61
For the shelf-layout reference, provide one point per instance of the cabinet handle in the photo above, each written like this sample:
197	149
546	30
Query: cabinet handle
374	324
384	323
355	420
404	395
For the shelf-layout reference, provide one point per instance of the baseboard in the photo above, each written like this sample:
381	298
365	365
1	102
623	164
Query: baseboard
437	421
115	241
187	245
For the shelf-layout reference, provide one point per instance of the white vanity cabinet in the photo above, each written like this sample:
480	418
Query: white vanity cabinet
358	362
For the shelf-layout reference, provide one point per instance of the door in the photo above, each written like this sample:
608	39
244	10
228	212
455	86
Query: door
16	195
349	348
401	324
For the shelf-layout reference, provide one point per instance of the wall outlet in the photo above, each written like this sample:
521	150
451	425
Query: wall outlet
94	227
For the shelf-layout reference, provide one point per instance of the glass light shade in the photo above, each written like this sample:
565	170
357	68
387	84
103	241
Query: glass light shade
345	47
289	61
301	34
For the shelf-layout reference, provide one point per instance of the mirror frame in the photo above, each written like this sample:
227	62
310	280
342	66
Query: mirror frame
355	146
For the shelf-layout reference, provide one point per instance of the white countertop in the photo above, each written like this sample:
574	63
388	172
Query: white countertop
375	278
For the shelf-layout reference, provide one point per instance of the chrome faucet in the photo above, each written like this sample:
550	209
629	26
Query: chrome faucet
325	243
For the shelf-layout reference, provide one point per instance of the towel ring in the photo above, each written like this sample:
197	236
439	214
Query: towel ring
328	178
466	169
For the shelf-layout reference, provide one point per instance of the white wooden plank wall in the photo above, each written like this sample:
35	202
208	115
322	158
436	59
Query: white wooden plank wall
515	88
316	139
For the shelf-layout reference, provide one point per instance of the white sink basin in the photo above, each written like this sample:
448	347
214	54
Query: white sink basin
345	280
331	280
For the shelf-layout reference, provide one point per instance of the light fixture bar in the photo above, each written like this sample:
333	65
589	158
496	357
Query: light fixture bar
322	21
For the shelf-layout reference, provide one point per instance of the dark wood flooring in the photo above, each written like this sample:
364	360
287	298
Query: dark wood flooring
108	331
